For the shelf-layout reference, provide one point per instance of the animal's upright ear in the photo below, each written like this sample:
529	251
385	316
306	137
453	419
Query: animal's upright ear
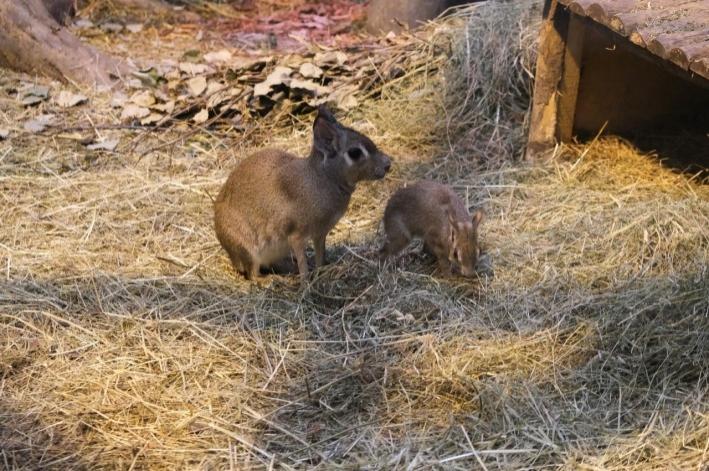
452	227
477	217
326	133
325	113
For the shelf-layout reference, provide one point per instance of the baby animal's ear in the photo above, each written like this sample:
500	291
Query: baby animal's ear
452	227
477	217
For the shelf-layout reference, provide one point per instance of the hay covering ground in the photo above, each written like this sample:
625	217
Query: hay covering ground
127	342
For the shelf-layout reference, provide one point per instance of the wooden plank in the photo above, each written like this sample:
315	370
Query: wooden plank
578	7
626	23
671	45
698	54
697	50
571	76
550	59
700	67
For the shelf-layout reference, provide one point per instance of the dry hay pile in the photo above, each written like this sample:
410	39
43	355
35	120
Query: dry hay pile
127	341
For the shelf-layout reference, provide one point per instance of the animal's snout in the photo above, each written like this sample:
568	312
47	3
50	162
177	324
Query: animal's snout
384	167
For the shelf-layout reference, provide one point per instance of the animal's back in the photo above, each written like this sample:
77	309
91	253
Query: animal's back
422	205
249	209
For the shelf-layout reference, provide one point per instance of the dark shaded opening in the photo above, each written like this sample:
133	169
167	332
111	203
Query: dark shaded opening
652	102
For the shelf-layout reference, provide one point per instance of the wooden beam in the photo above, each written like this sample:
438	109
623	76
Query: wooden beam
571	75
550	61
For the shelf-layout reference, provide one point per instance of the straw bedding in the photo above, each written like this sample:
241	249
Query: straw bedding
126	341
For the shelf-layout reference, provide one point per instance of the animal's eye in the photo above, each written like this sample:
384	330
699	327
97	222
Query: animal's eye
355	153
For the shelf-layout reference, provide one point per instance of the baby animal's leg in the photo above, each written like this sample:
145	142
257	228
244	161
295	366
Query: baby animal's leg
397	237
441	254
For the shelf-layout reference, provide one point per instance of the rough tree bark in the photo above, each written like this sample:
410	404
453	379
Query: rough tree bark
34	40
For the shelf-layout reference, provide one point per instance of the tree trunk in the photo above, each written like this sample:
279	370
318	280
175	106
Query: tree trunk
33	40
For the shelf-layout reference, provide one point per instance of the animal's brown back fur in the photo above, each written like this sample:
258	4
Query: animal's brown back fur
434	213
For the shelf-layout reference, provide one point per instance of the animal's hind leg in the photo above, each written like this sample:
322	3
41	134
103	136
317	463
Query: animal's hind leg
243	262
397	237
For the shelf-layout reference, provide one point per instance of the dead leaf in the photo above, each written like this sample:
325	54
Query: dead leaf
152	118
309	70
310	87
249	63
67	99
118	100
143	98
40	123
347	102
34	94
104	144
217	99
191	55
167	107
213	87
172	75
135	83
201	117
148	77
197	85
112	27
344	98
31	100
4	133
132	111
218	57
173	84
134	27
279	76
195	69
337	58
84	24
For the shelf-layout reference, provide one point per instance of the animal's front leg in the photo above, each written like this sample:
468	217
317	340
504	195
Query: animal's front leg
297	246
319	242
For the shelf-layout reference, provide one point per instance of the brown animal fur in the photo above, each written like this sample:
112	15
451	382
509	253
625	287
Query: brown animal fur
434	213
274	203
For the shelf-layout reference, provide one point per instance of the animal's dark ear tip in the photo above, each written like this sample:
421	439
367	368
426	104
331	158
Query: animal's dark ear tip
325	113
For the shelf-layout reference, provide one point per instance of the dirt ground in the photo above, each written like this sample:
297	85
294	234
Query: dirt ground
127	341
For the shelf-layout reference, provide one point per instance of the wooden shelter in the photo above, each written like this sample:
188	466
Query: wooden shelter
626	66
